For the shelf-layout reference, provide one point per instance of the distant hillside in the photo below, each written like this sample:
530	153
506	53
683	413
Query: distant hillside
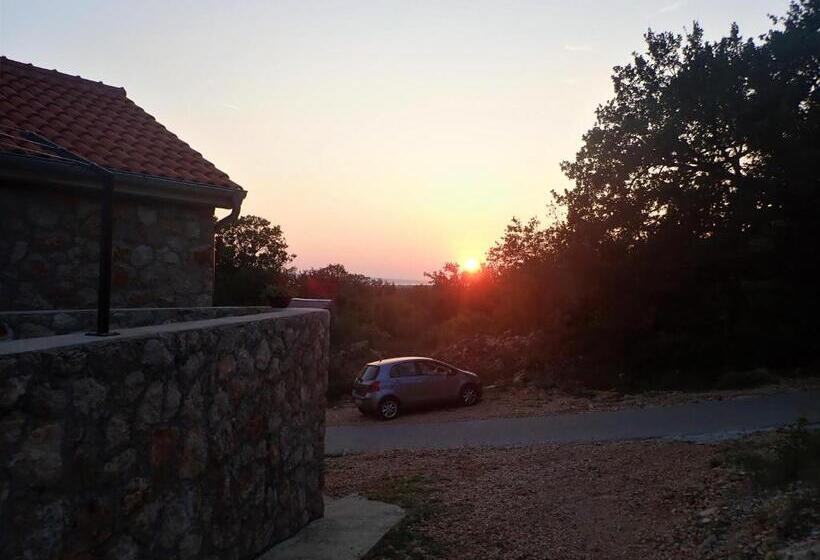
403	281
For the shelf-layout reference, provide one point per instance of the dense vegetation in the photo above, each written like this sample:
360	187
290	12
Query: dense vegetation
251	260
688	246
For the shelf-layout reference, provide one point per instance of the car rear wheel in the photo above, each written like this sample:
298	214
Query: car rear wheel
469	395
388	408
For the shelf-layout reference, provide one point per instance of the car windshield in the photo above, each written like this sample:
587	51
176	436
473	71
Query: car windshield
369	373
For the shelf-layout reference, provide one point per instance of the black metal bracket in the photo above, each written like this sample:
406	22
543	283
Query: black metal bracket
106	230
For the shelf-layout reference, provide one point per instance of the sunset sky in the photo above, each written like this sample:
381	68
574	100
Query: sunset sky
387	136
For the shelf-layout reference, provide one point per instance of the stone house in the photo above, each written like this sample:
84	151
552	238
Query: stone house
196	432
53	128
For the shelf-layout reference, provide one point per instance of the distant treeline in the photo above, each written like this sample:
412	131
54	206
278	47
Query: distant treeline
688	246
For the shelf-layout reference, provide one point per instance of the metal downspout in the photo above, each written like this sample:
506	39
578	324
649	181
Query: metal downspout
106	236
236	207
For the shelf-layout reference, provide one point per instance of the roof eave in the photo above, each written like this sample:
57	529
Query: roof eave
63	174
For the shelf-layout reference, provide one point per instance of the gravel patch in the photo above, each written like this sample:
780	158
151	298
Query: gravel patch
626	500
621	500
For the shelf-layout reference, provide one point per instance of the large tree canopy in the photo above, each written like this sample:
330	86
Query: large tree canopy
703	138
690	236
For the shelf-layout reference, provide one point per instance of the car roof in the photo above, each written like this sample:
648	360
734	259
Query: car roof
389	361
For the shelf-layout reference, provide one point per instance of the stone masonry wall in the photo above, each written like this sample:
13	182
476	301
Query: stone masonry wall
31	324
49	254
203	442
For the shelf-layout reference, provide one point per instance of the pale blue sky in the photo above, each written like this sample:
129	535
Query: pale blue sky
388	136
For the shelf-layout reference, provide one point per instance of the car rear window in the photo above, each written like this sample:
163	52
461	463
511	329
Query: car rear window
369	373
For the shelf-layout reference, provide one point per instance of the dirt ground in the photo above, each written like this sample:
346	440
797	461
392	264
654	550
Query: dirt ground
531	401
629	500
576	501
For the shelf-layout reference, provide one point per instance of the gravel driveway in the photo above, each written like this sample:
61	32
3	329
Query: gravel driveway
709	420
622	500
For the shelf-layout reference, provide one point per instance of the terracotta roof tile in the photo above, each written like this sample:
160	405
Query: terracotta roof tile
95	121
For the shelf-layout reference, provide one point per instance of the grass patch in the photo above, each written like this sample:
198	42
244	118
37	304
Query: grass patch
785	471
792	458
404	541
404	491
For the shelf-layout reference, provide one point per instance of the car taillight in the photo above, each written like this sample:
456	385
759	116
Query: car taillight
373	387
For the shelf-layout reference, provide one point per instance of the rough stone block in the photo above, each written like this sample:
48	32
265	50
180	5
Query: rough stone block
194	455
40	457
89	395
11	389
162	446
150	410
156	354
117	432
47	402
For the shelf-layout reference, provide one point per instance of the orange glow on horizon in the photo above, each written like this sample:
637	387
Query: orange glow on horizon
390	137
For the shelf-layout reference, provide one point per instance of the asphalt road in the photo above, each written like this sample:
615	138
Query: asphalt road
701	421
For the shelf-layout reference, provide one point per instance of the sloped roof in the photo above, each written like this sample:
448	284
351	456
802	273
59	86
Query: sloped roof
95	121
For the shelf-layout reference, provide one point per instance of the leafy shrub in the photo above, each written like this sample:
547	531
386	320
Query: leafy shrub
746	379
794	457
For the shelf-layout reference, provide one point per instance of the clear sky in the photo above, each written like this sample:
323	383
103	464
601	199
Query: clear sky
387	136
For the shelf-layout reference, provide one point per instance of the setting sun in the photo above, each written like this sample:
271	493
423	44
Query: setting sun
470	265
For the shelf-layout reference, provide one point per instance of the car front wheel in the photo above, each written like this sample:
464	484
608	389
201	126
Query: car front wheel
388	408
469	395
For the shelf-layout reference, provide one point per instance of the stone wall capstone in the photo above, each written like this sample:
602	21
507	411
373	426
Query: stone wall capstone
184	442
49	253
16	325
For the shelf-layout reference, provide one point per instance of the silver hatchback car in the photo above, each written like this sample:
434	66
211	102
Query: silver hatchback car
386	387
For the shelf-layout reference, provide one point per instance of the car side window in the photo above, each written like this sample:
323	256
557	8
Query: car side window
433	368
404	369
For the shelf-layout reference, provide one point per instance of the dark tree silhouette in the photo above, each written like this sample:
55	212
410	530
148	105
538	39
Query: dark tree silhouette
690	237
251	259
